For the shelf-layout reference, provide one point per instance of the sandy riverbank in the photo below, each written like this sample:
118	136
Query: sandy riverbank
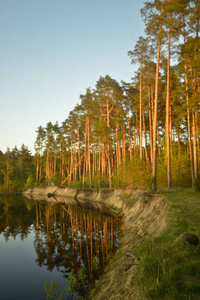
143	215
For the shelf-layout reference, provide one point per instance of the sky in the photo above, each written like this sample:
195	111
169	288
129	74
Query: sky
51	51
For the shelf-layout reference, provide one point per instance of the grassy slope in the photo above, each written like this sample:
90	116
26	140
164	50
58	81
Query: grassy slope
168	270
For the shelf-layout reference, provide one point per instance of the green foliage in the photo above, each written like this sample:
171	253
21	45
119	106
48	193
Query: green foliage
180	168
104	182
76	283
56	179
76	185
95	262
15	168
197	185
52	291
30	182
96	181
133	174
11	186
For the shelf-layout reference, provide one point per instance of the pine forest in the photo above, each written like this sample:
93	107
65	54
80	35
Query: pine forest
144	133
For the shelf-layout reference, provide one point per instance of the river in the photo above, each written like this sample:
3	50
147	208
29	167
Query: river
40	241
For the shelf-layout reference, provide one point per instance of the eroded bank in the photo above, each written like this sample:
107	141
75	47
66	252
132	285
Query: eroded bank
143	215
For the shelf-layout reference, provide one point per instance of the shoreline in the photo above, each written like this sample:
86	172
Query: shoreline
143	215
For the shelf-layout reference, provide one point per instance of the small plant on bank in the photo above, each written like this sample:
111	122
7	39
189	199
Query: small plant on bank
76	284
52	291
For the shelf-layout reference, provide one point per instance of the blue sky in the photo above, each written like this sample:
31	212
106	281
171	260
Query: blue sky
51	51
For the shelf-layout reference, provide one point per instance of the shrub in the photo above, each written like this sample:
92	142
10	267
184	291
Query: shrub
196	185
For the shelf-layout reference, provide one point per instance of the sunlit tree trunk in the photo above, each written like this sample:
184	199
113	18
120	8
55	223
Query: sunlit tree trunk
150	123
140	133
194	145
154	156
130	143
145	140
79	154
118	150
167	118
155	120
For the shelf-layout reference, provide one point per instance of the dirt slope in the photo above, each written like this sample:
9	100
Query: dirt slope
144	215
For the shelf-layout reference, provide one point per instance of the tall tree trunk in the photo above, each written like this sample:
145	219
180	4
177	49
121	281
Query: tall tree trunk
79	153
71	164
37	169
99	164
130	144
134	138
145	139
179	146
194	146
47	166
84	163
118	150
189	127
167	118
55	158
63	162
109	171
140	134
75	162
150	124
154	156
124	146
89	162
40	173
93	159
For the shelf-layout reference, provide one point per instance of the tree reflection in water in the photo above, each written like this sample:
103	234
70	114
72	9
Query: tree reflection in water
66	237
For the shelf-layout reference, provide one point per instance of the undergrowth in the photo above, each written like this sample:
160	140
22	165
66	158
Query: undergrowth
75	286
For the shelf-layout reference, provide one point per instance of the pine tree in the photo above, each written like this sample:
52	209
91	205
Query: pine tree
140	55
153	18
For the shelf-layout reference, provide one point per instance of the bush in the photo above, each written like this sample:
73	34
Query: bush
196	185
52	291
30	182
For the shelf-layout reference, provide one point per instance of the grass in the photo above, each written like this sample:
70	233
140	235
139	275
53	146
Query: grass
168	270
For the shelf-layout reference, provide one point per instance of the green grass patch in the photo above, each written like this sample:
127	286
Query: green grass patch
168	270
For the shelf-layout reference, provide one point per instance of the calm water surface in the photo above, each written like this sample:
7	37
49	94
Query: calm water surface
40	241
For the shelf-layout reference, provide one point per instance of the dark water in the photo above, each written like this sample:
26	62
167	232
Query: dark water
40	241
